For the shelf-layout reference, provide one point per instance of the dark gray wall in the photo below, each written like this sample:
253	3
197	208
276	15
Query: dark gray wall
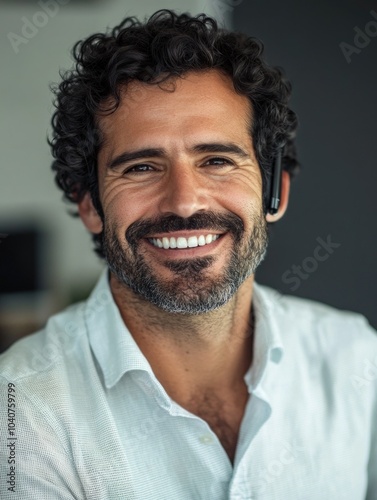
336	101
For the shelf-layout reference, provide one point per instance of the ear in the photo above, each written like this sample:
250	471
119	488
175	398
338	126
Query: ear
89	215
284	196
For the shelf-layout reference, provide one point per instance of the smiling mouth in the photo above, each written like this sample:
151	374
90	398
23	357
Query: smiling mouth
181	242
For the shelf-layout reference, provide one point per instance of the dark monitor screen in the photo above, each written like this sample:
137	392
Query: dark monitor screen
19	260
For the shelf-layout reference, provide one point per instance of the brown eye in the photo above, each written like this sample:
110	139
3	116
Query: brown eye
220	161
136	169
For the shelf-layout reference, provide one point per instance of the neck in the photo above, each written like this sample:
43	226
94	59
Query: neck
210	351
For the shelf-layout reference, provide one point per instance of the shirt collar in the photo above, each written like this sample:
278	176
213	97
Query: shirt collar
117	352
267	340
113	345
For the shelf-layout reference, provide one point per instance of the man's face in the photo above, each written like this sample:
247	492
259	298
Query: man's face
183	222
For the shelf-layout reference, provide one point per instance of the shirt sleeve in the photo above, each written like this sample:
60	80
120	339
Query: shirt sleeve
33	462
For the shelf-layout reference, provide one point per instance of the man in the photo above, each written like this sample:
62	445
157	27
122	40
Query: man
180	377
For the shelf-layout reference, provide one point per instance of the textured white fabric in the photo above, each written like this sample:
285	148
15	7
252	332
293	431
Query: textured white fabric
93	422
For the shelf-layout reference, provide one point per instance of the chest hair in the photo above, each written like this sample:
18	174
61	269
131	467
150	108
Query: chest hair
224	417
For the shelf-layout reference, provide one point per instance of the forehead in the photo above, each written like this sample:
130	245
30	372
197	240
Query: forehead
197	103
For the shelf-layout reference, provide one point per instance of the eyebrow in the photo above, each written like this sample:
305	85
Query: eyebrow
212	147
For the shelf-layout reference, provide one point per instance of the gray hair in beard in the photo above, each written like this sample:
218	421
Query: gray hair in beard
192	290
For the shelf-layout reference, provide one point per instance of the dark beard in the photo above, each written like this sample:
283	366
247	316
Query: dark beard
192	291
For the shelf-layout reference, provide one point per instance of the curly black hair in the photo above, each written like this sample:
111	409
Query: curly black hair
166	45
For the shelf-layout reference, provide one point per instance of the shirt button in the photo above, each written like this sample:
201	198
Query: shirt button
206	439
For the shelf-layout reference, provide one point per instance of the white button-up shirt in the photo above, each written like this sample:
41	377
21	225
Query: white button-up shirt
82	415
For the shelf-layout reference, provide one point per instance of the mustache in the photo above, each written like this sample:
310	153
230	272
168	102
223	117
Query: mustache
207	221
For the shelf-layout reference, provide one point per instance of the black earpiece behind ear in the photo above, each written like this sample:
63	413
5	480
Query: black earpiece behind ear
275	184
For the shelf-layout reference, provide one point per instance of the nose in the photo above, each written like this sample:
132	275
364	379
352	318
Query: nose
184	192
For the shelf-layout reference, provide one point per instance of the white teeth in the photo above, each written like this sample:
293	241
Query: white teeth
181	243
191	242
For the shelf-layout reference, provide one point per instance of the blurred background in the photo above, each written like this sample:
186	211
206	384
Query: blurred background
328	51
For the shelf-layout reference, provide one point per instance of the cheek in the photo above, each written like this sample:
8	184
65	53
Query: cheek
122	207
245	200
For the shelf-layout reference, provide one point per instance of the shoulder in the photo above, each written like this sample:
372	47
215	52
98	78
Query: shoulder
320	328
303	312
46	350
324	345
